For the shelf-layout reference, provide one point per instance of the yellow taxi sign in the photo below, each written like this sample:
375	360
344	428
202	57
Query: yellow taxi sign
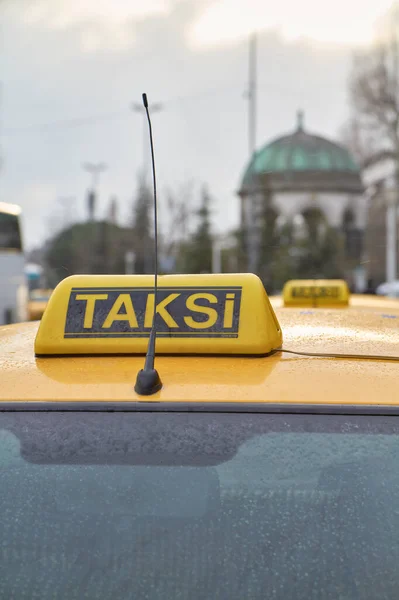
196	314
37	303
316	292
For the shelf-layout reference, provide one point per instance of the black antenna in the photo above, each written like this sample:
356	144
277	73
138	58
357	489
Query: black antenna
148	381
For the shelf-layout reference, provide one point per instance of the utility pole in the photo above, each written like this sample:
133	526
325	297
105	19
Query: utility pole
94	170
113	210
251	233
252	88
1	126
130	258
392	208
391	234
217	247
139	108
221	242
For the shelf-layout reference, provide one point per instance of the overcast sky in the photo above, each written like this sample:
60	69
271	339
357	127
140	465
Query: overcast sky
70	70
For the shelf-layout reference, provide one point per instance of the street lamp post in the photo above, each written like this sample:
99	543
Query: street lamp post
130	258
220	243
391	235
217	248
95	170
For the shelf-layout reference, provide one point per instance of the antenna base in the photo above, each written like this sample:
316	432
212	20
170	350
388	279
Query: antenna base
148	382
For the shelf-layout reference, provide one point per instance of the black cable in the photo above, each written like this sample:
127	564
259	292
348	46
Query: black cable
338	355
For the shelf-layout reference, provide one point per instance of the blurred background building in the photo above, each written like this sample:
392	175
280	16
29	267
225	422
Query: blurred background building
309	186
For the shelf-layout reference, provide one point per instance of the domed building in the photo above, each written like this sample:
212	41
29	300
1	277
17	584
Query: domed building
298	173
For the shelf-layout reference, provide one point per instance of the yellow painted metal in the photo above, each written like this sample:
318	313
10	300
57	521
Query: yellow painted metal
197	314
36	310
278	378
316	293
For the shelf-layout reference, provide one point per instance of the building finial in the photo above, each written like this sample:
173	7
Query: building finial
300	119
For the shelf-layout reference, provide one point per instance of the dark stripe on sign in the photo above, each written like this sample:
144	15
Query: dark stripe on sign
128	312
315	292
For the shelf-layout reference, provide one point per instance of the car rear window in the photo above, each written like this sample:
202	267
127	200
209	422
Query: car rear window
198	506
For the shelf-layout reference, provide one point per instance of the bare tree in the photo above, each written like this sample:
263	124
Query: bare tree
176	218
373	132
361	144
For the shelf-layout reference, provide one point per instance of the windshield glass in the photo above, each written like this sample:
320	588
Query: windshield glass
10	236
198	506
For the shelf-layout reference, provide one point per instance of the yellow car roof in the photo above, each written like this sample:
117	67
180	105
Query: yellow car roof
368	326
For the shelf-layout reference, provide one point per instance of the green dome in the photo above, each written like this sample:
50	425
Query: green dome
300	155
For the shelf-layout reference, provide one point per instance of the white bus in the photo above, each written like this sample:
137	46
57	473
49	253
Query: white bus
13	287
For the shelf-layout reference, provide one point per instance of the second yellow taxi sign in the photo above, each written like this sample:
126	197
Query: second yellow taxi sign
316	293
196	314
